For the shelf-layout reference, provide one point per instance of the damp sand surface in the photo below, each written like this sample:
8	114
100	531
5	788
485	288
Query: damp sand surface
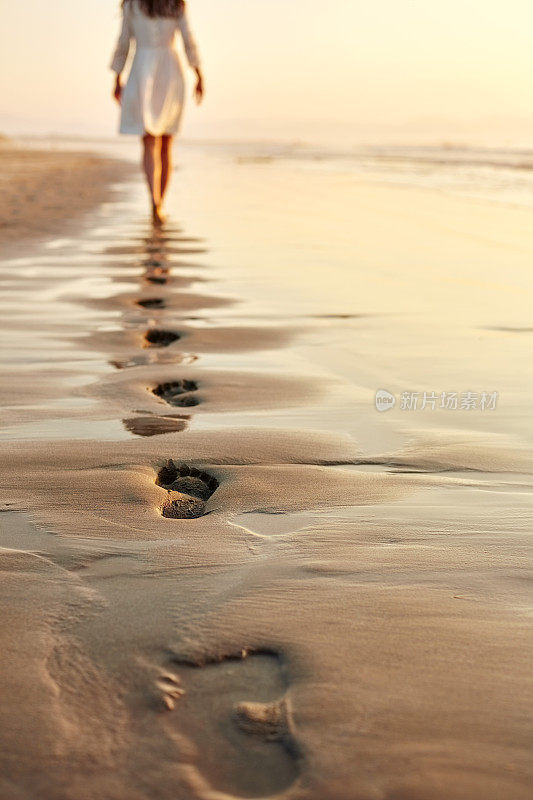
225	574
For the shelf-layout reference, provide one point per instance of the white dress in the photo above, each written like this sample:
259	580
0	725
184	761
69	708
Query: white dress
152	100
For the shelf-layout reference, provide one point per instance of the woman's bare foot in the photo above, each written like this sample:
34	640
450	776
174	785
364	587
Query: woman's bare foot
158	218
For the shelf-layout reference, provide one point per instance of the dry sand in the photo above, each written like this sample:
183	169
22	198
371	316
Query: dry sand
210	587
42	190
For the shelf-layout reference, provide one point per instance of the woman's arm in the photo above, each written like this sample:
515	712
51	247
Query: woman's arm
122	50
199	89
193	56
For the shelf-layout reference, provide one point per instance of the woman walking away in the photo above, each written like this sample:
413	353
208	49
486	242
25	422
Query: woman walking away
152	100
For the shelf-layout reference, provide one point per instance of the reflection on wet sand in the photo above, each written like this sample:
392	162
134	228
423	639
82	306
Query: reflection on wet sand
156	252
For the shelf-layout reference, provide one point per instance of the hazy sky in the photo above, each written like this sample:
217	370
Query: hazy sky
288	68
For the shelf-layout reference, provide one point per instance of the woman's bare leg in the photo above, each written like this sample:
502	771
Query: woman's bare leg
166	164
152	170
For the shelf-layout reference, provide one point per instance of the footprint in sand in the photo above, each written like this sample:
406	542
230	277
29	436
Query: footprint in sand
157	278
155	426
178	393
156	270
236	712
152	302
188	490
156	337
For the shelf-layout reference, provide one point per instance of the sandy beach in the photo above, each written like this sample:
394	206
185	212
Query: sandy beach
45	191
225	573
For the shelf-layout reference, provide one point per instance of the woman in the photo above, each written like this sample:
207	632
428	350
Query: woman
152	100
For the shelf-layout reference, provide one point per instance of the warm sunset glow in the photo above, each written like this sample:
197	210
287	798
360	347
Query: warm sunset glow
300	68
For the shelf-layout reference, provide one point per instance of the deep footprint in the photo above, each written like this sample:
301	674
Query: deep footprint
158	279
178	393
155	426
188	490
160	338
152	302
239	705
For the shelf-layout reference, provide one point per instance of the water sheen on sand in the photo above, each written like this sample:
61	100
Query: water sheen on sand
225	574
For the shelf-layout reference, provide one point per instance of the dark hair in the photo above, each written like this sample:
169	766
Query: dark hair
160	8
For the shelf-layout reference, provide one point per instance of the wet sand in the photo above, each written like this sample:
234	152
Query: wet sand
224	573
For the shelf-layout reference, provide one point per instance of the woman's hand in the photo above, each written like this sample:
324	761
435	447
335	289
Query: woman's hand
117	92
199	90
